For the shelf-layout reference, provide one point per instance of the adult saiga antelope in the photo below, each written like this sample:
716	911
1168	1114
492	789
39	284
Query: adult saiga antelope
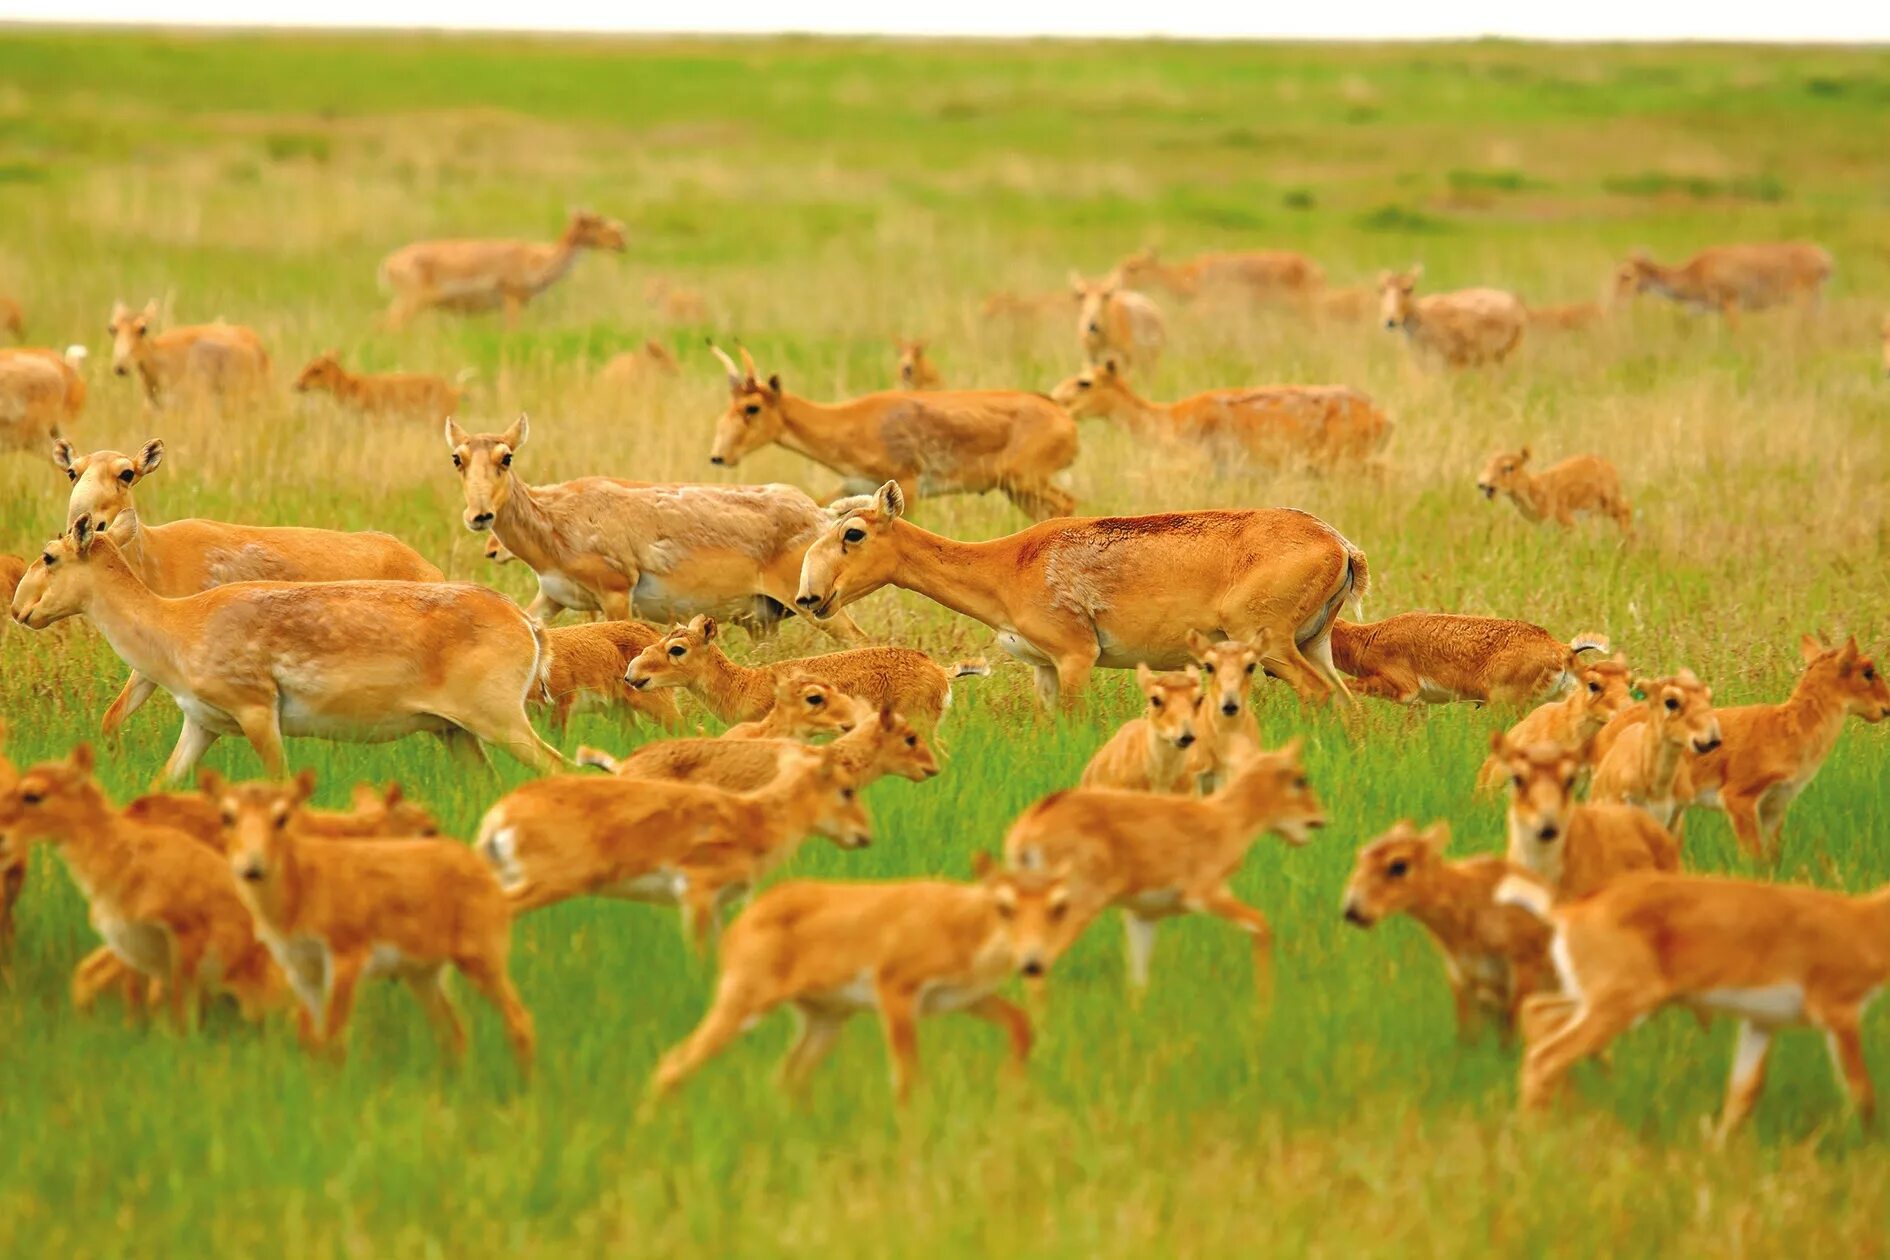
222	361
41	392
929	441
1067	596
634	548
469	276
359	661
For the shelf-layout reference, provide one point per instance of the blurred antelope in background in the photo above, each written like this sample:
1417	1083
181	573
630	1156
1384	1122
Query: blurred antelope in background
678	306
41	396
916	371
1462	329
639	369
414	395
465	276
1116	322
1264	275
1579	484
219	362
1732	279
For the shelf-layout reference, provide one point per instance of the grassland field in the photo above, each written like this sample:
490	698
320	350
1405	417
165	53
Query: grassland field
824	196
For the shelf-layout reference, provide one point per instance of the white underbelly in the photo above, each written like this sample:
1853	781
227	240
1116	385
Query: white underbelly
1023	649
936	999
1766	1004
388	960
562	590
660	888
304	960
1155	904
857	994
1432	692
145	947
298	719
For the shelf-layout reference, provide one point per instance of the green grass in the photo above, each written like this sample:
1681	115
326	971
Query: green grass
824	196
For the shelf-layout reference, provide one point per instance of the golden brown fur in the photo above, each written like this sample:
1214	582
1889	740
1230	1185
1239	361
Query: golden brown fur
1463	329
1267	275
1444	657
413	395
1150	753
1602	690
220	362
1574	848
1732	279
1647	764
1580	483
478	275
41	396
877	745
1115	322
587	667
916	369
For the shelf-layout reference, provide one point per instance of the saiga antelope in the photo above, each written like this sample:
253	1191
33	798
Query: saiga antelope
226	362
12	569
1230	733
1262	274
916	370
587	669
416	395
873	746
1113	322
1438	658
638	369
478	275
12	317
1602	689
41	395
1464	328
1574	848
1647	764
1732	279
1578	484
1150	753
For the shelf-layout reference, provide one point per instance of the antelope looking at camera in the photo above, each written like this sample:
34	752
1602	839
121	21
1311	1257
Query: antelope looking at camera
478	275
192	555
1574	848
1769	955
1321	425
1494	955
1115	591
1602	689
1230	734
633	548
415	395
916	371
224	362
672	844
1157	856
1266	275
903	679
1646	765
1438	658
931	442
360	661
333	916
1732	279
870	747
1117	323
1150	753
587	669
1464	328
1579	484
41	395
902	949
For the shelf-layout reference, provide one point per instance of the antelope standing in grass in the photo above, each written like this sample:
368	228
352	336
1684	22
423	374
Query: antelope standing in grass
1320	425
466	276
871	747
223	362
192	555
41	395
1150	753
1577	485
333	916
587	669
360	661
1439	658
1495	956
373	814
916	370
1566	316
1647	764
1262	274
1230	733
1602	689
1732	279
414	395
12	569
1068	596
1571	847
1156	856
1463	329
931	442
633	548
902	949
1113	322
637	370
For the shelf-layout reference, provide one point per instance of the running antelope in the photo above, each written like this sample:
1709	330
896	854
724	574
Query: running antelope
1439	658
902	949
415	395
1647	765
902	679
1769	753
634	548
334	916
192	555
1150	753
1602	689
587	669
41	395
1574	848
1319	425
870	748
1579	484
1464	328
225	362
804	710
1732	279
360	661
1157	856
1494	955
373	813
1230	733
1263	274
672	844
916	371
478	275
1067	596
931	442
1769	955
1113	322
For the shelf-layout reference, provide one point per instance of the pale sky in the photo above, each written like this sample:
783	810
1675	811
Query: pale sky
1821	21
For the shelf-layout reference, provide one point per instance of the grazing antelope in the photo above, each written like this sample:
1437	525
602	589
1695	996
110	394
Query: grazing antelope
1579	484
415	395
1565	317
478	275
12	569
1262	274
1150	753
1279	424
679	306
192	555
1113	322
902	679
673	844
902	949
1646	765
1769	955
1732	279
665	552
1572	847
916	371
1602	689
869	748
1230	733
1464	328
634	370
587	667
1156	856
1438	658
930	442
1769	753
334	916
164	903
1495	955
1068	596
222	361
361	661
41	394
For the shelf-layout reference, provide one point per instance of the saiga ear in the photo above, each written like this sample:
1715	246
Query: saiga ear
83	759
982	865
1199	645
150	455
521	429
1810	649
1436	837
304	786
456	437
890	501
